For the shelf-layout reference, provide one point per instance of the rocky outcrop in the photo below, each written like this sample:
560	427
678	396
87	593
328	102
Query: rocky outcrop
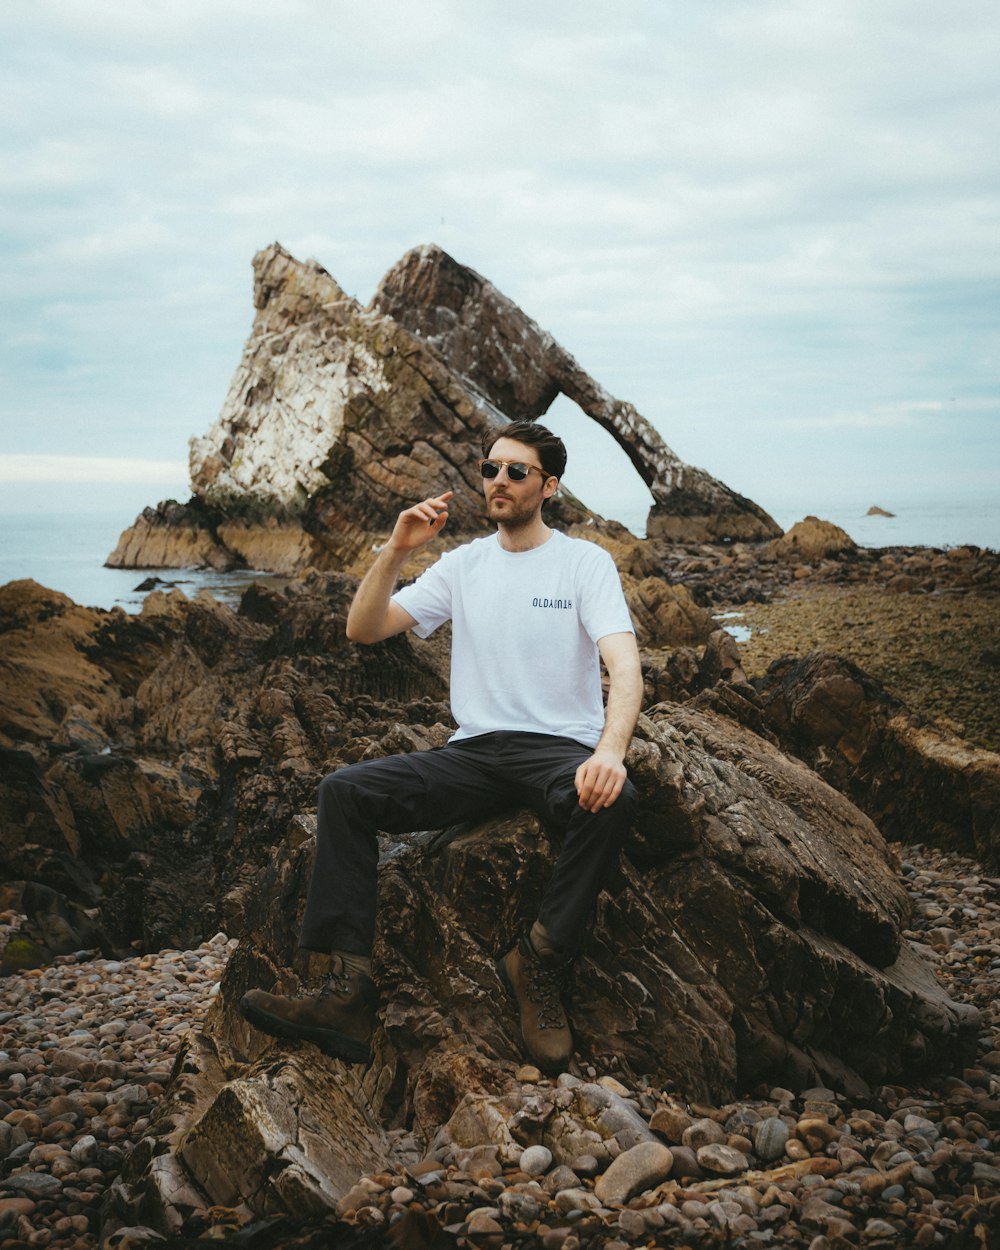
339	416
813	539
916	780
751	934
158	775
520	369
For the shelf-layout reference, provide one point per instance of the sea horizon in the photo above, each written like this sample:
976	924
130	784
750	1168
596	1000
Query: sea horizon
66	550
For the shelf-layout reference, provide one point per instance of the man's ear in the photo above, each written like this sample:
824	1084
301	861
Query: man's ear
550	487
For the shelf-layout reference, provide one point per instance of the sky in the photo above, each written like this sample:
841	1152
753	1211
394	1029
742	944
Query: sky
772	226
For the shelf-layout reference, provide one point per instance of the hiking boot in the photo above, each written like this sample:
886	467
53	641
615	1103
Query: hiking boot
338	1016
536	984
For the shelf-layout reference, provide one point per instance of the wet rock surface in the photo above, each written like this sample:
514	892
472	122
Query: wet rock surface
85	1072
937	650
914	777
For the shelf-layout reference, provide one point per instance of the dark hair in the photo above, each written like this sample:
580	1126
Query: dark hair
550	447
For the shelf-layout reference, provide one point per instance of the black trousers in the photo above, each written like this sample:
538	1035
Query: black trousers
465	780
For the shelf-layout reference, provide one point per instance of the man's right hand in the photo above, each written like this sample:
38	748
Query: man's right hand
419	524
373	615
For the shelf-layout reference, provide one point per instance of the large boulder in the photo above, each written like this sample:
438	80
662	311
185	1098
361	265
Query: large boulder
812	539
918	781
751	933
338	416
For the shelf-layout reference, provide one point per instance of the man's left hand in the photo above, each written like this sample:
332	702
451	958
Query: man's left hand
599	780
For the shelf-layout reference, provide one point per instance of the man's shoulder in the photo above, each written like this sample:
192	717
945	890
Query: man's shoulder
584	550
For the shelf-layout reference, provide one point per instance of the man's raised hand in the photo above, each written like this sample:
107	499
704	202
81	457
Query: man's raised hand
419	524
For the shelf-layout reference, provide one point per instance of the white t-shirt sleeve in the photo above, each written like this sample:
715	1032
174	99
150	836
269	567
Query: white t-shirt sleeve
602	605
429	599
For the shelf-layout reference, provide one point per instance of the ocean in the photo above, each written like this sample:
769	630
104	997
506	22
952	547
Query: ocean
66	551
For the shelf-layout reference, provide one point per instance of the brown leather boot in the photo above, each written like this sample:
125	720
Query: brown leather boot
536	984
338	1018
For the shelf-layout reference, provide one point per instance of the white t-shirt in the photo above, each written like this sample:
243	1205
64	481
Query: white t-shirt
525	628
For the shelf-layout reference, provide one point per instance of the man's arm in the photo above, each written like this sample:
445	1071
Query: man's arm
599	780
373	616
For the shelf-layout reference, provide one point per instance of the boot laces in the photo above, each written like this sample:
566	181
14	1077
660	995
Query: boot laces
330	983
544	988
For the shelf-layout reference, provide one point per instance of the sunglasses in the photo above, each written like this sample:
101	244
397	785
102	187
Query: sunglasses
517	471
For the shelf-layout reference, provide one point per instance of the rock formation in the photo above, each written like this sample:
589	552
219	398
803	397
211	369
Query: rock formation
158	775
813	539
751	935
338	416
896	766
520	369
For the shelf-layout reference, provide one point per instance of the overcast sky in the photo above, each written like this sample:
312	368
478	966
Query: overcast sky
772	226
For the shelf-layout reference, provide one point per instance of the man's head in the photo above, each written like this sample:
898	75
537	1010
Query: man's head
549	447
515	498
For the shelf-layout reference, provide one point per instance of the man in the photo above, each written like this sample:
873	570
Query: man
533	612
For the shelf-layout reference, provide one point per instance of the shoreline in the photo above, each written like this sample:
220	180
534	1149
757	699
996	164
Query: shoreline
87	1044
908	1156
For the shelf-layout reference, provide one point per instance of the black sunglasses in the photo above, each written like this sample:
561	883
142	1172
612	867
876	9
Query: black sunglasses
517	470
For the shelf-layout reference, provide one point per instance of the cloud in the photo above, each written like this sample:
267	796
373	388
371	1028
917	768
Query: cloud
735	214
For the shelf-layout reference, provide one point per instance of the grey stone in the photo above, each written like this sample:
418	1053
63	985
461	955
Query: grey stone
722	1160
703	1132
32	1184
643	1167
536	1160
770	1138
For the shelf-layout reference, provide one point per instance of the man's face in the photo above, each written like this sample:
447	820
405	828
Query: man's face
516	503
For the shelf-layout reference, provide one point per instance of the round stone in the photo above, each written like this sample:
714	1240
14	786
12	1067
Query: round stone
770	1138
722	1160
536	1160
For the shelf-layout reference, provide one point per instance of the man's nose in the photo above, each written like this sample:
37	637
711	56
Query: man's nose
504	469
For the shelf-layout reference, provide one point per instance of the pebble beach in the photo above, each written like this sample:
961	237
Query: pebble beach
87	1045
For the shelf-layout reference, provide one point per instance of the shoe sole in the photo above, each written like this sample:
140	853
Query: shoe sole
336	1045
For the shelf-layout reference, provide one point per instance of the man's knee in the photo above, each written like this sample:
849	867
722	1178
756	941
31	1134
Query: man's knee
629	797
330	785
618	817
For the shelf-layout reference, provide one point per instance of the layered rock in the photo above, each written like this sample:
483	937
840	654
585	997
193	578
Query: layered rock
917	781
493	345
339	416
752	934
158	774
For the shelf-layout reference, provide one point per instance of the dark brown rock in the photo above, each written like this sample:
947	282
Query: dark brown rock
148	763
916	780
751	934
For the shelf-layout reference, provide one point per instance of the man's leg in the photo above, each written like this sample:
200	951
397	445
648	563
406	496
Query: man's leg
545	768
536	968
396	795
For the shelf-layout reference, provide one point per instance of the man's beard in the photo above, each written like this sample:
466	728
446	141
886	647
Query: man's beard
513	513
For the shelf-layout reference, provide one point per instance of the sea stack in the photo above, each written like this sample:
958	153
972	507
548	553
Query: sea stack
339	415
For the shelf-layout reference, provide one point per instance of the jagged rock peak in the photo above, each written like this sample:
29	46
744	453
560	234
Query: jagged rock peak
520	368
338	416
